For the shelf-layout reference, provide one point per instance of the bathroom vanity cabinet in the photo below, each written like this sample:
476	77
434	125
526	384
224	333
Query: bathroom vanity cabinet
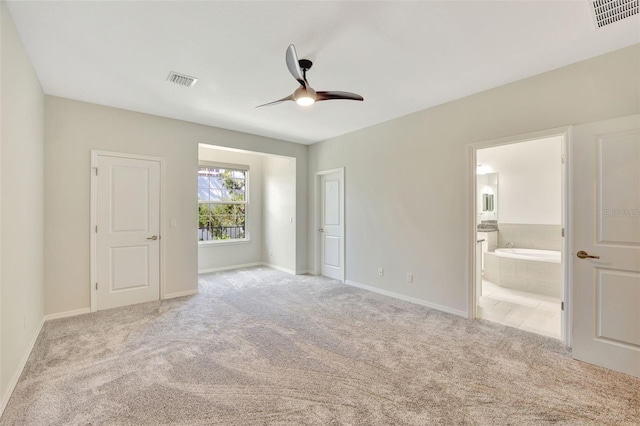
490	240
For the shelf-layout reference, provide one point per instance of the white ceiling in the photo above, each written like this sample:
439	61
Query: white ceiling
401	56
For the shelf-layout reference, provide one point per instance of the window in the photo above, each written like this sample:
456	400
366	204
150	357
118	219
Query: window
222	203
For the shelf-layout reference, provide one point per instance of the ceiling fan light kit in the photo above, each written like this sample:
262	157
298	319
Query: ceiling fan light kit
305	95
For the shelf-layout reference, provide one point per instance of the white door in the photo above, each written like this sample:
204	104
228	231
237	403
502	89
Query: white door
606	229
128	225
332	225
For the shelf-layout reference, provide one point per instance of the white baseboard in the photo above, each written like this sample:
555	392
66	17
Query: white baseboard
408	299
18	373
279	268
67	314
180	294
306	272
227	268
248	265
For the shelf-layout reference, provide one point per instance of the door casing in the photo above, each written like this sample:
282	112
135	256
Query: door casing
318	218
94	218
565	133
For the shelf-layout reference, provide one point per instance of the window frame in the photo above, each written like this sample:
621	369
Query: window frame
247	216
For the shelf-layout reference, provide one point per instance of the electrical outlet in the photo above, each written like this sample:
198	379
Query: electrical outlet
409	277
381	272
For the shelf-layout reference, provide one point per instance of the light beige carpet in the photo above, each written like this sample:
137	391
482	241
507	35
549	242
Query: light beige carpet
260	347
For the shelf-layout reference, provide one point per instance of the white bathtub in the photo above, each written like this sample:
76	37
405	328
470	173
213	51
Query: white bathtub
550	256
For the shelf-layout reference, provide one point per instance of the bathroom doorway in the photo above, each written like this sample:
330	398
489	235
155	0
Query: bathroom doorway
519	221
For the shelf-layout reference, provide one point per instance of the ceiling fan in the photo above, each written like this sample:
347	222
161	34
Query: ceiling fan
305	95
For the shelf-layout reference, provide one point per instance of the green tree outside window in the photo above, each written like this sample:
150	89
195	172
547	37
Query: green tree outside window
222	210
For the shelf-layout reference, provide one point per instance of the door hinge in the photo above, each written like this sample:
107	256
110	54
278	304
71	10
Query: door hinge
562	232
96	286
562	158
96	169
96	229
562	306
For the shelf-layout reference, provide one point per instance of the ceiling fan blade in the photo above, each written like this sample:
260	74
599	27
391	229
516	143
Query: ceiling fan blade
329	96
288	98
294	67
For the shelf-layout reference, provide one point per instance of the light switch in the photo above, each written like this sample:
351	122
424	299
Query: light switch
173	223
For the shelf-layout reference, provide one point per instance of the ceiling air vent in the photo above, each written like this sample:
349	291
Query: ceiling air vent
181	79
607	12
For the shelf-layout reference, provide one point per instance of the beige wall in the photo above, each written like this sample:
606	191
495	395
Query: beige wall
406	179
279	212
74	128
21	207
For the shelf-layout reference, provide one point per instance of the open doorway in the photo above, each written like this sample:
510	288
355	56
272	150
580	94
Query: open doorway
246	210
519	222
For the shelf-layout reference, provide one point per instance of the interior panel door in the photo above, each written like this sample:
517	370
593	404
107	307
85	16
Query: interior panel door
606	244
332	226
128	225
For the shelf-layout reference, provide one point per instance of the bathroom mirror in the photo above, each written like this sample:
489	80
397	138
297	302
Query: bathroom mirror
487	203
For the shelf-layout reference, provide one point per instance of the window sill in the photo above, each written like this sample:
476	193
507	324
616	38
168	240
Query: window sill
222	242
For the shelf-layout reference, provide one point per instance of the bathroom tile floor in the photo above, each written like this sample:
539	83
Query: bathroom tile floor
532	312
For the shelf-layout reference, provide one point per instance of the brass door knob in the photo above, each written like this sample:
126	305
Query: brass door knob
584	255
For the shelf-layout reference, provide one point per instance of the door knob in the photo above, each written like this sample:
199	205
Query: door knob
321	230
155	237
584	255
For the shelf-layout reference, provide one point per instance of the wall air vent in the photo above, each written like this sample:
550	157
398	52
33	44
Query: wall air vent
606	12
181	79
